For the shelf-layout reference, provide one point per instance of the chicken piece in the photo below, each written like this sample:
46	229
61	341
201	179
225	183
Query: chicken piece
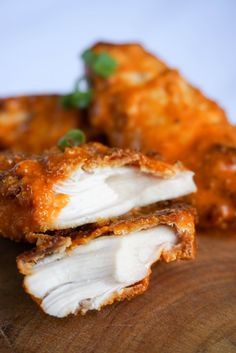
60	190
88	268
34	123
215	174
149	107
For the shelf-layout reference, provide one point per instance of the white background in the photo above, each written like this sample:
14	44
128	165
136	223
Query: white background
40	40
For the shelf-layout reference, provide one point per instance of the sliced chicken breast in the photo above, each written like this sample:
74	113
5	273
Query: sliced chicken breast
107	192
92	267
82	185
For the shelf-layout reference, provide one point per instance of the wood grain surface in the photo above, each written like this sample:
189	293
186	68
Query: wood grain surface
189	307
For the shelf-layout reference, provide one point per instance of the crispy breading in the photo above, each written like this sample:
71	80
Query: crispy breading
178	216
150	107
34	123
28	200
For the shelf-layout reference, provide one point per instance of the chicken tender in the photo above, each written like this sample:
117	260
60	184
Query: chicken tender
34	123
89	267
60	190
148	106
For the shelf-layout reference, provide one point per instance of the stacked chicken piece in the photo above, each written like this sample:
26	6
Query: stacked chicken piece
101	217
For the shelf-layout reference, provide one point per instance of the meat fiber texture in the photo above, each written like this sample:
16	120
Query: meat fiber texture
90	267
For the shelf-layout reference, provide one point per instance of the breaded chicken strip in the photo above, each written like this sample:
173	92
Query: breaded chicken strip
60	190
148	106
214	163
90	267
34	123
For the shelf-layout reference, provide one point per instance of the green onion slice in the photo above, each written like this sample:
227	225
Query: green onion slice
72	138
101	63
80	97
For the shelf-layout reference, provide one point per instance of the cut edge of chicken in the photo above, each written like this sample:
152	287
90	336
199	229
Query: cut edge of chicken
106	192
86	277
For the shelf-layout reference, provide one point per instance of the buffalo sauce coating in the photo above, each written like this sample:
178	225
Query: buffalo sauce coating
28	202
162	112
34	123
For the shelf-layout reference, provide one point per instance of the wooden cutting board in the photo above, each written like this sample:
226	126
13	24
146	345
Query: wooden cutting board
189	307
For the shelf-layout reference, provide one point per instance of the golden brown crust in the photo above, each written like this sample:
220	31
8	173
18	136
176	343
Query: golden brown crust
27	200
34	123
163	113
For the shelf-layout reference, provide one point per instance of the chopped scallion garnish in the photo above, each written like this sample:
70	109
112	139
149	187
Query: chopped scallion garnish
72	138
101	63
80	97
77	99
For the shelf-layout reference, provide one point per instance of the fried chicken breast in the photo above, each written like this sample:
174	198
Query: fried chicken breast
60	190
34	123
90	267
148	106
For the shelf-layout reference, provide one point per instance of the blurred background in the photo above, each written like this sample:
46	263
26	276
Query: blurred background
40	41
